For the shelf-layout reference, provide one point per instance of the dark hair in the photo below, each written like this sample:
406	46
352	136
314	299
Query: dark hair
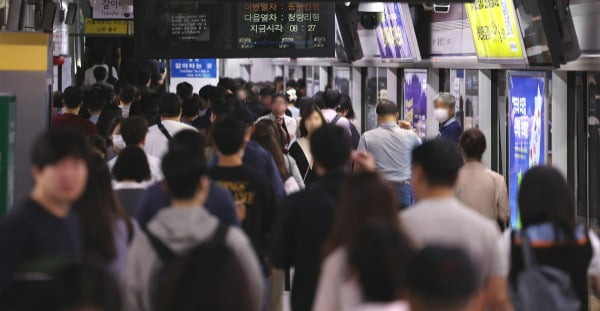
190	106
544	196
132	164
278	79
332	99
148	107
144	76
267	91
380	258
184	90
281	95
100	73
93	100
75	285
386	107
111	128
228	84
319	99
183	171
440	161
346	105
442	277
364	197
189	141
73	97
212	93
56	144
473	144
169	105
291	83
205	279
301	83
97	145
330	146
268	135
98	208
223	105
306	113
242	113
134	130
228	135
127	94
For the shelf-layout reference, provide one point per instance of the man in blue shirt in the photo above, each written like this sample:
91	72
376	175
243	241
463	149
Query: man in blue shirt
445	108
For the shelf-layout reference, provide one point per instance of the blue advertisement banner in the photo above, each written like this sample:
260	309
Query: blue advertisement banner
525	134
194	68
391	34
415	100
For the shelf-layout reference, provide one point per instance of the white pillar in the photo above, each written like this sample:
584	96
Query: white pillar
392	85
433	87
356	87
559	121
485	112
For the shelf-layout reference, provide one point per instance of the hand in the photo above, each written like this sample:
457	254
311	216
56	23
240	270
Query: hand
404	124
363	161
240	208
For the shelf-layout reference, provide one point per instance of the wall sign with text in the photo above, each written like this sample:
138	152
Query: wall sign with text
495	30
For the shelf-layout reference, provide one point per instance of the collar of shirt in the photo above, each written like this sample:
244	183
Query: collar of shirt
388	125
447	123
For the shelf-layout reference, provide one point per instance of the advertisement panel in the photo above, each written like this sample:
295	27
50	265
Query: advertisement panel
495	29
415	100
526	133
392	37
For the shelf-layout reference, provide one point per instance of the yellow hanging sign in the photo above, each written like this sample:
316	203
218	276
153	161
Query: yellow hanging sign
106	27
495	30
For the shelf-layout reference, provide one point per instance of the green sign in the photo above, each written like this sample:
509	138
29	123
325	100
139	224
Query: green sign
7	151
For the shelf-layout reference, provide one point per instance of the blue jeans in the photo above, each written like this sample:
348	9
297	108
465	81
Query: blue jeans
403	194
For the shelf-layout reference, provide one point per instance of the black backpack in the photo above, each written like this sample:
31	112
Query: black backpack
167	259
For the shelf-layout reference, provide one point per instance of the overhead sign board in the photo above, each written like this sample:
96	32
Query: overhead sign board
106	27
495	30
194	68
111	9
395	34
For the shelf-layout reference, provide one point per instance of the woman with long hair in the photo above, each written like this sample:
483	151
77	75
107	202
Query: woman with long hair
311	120
365	199
547	211
269	136
106	228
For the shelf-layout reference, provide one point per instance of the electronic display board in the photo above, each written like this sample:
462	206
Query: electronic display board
395	35
526	131
205	29
495	30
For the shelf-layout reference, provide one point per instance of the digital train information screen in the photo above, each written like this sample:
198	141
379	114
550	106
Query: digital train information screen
283	25
204	29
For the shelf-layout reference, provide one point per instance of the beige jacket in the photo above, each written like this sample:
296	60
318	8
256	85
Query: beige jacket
483	190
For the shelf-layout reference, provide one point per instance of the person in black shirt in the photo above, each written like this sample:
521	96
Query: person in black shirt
251	189
305	218
42	232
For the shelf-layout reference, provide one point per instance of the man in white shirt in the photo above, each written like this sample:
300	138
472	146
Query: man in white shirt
392	147
134	131
278	115
440	219
157	139
89	78
332	99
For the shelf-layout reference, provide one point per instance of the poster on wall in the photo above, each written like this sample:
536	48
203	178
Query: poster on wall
395	34
415	100
526	133
495	30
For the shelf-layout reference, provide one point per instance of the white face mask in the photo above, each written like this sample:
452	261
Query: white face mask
441	115
118	142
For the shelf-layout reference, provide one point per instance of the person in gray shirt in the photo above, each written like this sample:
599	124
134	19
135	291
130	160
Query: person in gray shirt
439	218
391	146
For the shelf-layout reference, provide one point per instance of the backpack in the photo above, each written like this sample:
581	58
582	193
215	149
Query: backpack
167	259
540	287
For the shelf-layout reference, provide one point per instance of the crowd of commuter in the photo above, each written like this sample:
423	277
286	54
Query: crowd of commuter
227	198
